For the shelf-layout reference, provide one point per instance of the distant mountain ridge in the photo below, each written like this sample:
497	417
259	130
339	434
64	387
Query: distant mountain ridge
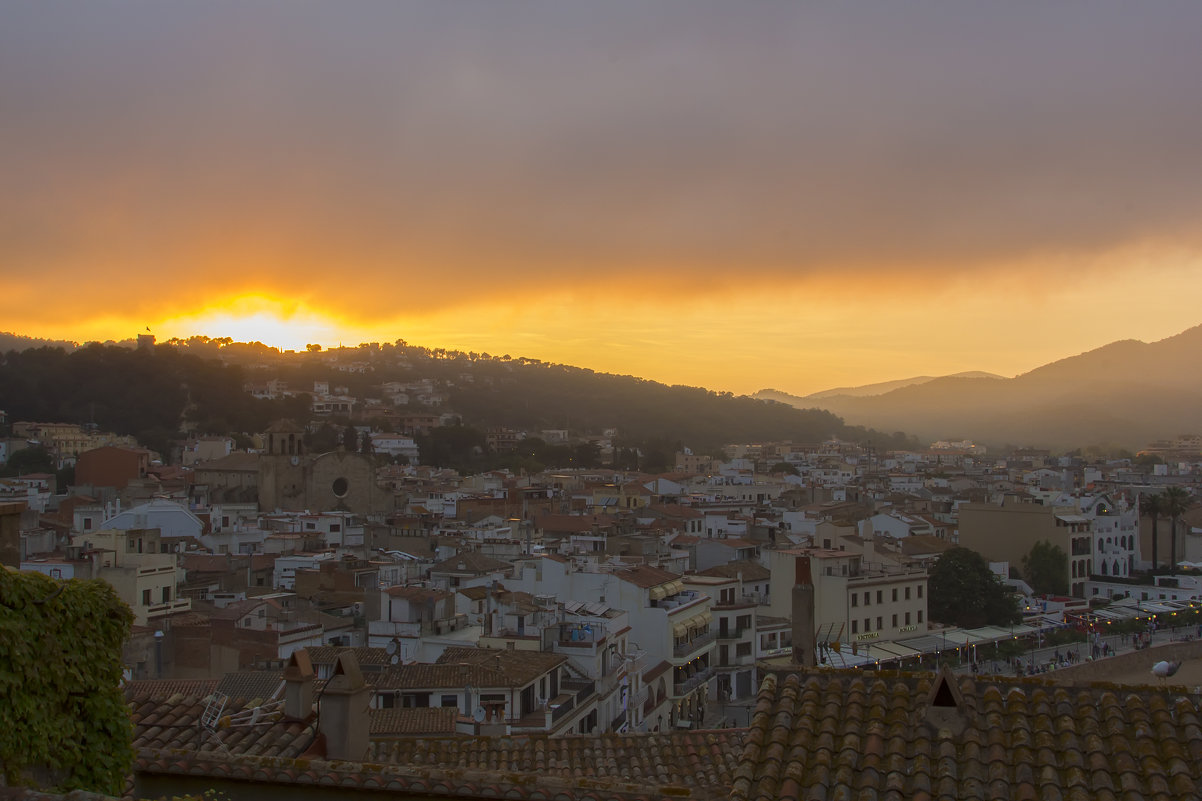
1127	393
868	390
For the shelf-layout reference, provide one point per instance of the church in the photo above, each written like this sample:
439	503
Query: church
292	480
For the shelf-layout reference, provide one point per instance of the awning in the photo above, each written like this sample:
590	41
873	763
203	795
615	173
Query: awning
675	587
696	621
891	650
658	592
680	630
708	617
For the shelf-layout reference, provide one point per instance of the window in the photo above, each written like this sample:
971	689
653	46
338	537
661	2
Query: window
867	599
166	594
919	615
145	597
895	595
855	600
919	590
907	593
450	700
855	626
742	649
894	622
879	624
867	624
907	618
879	598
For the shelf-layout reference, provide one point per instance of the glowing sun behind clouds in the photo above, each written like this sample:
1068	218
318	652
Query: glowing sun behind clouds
253	318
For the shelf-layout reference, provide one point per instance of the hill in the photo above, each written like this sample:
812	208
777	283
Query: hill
155	393
1126	393
863	391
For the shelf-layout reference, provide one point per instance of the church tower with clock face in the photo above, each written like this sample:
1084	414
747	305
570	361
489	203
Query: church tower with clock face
283	468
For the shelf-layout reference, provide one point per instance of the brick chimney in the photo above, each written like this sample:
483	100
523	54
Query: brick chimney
298	686
803	613
344	717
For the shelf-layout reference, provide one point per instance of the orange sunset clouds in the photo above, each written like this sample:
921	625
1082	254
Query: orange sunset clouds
702	193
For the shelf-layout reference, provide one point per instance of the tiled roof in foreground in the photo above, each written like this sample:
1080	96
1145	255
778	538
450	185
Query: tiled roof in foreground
703	760
245	726
894	736
677	766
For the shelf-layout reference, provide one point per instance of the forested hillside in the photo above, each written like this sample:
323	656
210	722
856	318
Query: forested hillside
150	393
146	393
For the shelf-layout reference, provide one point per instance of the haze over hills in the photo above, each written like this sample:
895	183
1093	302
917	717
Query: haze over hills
1127	393
867	389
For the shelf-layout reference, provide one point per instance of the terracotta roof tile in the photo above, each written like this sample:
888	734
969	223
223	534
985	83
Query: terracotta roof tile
427	721
849	734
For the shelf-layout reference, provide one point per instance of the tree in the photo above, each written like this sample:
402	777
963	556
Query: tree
1176	501
323	440
34	459
1045	568
964	592
786	468
1153	506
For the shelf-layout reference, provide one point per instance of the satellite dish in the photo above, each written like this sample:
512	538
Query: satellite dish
390	649
478	715
394	659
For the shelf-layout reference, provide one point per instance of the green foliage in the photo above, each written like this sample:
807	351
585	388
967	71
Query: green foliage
146	393
784	467
963	592
323	440
459	447
64	721
1045	568
34	459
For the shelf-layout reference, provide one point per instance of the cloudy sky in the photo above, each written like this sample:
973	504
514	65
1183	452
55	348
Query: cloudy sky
732	195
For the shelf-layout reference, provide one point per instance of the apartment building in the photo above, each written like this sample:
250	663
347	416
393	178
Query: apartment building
855	600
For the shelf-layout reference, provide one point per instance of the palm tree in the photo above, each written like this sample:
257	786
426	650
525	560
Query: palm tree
1176	501
1153	506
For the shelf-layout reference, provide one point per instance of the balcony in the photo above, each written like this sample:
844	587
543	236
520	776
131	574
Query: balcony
735	633
178	605
564	708
697	643
683	598
682	688
581	689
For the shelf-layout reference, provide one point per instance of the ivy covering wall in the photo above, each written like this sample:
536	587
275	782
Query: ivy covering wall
64	723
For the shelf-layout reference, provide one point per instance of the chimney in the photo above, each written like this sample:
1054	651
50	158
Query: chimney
10	533
298	686
803	613
344	711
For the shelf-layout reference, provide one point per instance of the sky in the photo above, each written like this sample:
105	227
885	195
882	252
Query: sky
729	195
